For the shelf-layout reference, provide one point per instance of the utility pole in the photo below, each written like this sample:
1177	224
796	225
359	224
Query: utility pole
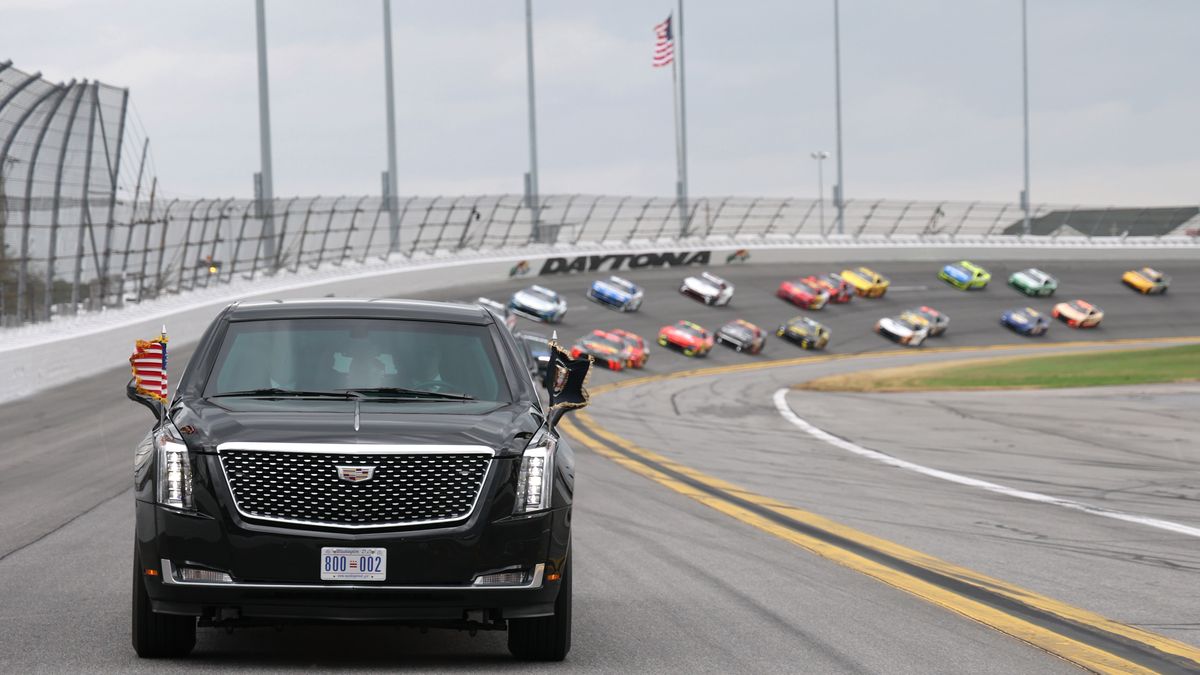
390	180
1025	103
839	194
532	193
265	187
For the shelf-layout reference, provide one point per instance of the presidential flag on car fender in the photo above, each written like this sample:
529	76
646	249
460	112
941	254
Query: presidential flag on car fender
566	378
149	364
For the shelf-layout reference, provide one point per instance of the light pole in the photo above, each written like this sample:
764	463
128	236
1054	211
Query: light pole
266	183
531	179
391	181
1025	102
839	191
821	156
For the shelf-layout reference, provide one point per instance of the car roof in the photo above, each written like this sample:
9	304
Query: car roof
365	308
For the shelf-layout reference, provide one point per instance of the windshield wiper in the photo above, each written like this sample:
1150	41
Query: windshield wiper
276	392
404	393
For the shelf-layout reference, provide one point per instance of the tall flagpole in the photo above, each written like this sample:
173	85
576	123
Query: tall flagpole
266	184
682	188
531	190
678	143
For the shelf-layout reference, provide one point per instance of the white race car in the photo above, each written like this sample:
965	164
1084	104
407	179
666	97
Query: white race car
905	330
708	288
538	303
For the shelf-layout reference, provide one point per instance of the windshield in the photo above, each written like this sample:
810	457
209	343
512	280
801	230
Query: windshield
331	355
542	293
689	329
605	340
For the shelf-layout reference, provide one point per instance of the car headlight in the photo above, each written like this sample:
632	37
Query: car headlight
535	477
174	468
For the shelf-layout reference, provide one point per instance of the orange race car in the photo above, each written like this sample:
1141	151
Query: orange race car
802	293
1078	314
1146	281
840	291
637	347
607	349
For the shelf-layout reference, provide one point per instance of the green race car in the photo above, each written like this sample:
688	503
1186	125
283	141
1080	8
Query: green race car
1033	282
965	275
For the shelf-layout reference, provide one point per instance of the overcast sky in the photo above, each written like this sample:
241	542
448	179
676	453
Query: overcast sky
931	91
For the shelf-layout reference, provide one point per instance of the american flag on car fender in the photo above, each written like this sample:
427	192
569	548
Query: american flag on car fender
149	364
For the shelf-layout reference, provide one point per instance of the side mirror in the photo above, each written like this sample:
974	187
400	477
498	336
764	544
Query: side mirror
565	382
151	403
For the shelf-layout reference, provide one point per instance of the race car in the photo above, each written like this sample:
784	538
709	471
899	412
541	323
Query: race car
965	275
937	322
866	282
708	288
690	338
499	309
802	293
539	303
1026	321
904	331
637	347
1033	282
616	292
1078	314
839	290
805	332
1146	281
607	349
742	336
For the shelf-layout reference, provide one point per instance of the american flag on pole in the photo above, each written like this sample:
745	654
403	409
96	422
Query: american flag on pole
149	363
664	44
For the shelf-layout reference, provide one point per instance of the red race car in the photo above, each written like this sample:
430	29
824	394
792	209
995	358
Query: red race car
801	293
607	349
840	291
690	338
637	347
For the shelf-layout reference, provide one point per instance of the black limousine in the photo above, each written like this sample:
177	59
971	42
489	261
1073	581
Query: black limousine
377	461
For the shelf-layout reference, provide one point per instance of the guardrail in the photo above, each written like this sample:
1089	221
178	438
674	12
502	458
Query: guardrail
154	248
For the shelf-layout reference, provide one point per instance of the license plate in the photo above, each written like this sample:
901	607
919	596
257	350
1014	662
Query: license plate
355	564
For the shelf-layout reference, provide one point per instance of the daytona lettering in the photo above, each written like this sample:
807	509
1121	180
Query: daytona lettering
620	261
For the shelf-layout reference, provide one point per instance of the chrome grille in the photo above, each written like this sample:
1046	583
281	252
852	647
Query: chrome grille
406	488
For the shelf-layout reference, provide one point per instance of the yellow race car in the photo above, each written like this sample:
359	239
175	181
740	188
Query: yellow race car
867	282
1146	281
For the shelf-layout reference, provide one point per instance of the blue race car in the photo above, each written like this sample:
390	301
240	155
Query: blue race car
616	292
1026	321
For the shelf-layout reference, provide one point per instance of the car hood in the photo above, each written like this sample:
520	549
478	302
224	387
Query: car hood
701	286
609	289
895	327
534	302
503	426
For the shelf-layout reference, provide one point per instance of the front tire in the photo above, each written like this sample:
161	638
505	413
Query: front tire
545	638
158	635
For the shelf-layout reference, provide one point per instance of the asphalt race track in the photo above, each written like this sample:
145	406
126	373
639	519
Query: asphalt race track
672	580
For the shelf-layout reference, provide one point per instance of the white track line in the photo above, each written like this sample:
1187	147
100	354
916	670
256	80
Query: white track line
782	406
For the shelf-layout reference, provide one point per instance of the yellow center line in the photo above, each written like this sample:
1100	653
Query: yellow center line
646	462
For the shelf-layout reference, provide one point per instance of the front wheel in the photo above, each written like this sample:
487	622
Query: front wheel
545	638
158	635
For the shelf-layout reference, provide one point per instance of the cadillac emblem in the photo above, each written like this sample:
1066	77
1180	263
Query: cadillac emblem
355	474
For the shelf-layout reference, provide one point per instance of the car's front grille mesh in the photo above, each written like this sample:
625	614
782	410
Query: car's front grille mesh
305	487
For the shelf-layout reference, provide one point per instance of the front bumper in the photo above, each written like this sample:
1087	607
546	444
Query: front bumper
276	578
